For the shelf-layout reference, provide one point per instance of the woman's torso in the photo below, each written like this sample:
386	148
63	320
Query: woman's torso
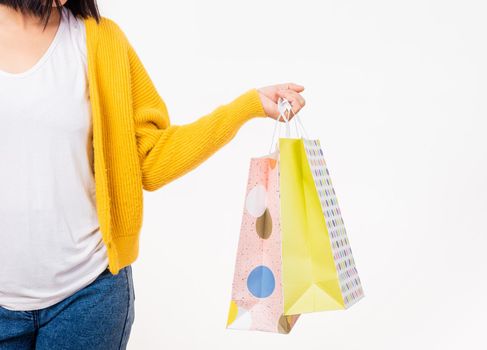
49	231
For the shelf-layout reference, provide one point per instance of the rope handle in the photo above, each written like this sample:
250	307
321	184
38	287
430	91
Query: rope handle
286	109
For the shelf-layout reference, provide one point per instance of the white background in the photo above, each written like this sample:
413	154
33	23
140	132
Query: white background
396	92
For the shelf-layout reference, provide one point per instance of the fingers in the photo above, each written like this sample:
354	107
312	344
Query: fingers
289	91
291	86
297	101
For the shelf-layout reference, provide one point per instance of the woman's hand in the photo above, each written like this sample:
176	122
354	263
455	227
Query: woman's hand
269	96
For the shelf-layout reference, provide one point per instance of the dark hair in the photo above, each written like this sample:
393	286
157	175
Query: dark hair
43	8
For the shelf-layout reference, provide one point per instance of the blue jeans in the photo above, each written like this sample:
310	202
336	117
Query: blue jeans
97	317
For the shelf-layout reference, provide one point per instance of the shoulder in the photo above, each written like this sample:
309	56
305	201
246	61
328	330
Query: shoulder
106	30
112	27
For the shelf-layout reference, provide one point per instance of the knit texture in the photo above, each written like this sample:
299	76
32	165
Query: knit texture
136	147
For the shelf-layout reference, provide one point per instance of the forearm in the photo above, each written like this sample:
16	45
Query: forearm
169	153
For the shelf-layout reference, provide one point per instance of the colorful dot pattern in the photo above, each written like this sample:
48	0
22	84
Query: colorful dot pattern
257	298
261	282
350	285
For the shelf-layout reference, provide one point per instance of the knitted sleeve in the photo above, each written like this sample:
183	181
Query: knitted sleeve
167	151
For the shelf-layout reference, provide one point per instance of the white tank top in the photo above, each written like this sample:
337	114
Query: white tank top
50	241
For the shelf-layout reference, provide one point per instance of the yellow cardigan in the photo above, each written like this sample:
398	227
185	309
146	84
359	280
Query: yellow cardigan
135	145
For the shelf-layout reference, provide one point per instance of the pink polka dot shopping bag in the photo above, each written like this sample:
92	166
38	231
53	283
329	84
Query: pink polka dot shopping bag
293	254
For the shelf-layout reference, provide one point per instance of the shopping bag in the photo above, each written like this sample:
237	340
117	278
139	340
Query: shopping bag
257	299
293	252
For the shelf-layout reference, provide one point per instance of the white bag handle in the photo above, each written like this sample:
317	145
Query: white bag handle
284	106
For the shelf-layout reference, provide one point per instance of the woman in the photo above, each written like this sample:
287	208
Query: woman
84	132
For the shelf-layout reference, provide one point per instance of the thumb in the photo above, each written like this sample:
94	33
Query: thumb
270	107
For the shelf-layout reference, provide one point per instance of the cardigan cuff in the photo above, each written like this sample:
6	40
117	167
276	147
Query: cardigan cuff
247	106
231	116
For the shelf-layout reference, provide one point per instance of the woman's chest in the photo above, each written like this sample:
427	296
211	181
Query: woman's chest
53	99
